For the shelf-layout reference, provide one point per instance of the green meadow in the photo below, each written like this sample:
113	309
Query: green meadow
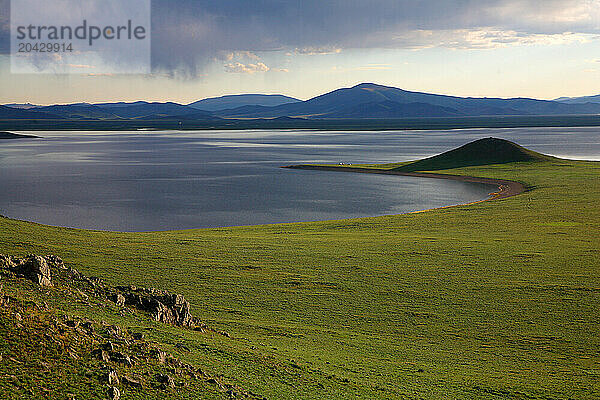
494	300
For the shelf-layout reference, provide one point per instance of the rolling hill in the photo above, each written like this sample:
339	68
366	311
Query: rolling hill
236	101
579	100
486	151
142	109
78	111
121	110
18	113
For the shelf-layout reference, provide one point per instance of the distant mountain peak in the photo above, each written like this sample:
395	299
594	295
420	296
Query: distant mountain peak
368	85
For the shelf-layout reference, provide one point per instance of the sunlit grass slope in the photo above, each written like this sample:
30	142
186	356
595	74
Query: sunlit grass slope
497	300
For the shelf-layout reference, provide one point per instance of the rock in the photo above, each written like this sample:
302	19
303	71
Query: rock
160	355
115	332
112	377
165	380
163	306
108	346
113	393
6	262
87	325
160	312
55	261
120	358
131	382
72	323
119	299
100	355
34	268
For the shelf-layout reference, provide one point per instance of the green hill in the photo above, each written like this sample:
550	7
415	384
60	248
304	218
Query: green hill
480	152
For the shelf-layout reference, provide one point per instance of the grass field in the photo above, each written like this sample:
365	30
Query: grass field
496	300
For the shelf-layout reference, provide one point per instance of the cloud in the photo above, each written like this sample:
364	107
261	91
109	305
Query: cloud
311	51
79	66
368	67
240	68
240	55
187	35
484	38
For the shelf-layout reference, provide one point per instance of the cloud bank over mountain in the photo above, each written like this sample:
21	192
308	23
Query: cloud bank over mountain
190	34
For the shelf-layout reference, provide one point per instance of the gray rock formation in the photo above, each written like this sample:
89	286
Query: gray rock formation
114	393
112	378
165	307
34	268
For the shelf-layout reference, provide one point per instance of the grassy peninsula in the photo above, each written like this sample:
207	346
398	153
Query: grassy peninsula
494	300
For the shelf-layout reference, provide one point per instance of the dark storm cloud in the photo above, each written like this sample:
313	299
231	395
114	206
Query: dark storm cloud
187	34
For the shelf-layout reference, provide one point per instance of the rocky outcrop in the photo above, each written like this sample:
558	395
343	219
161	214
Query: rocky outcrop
34	268
165	307
114	393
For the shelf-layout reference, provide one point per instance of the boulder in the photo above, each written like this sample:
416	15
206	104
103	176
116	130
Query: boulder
120	358
129	381
112	378
36	269
164	307
100	355
113	393
55	261
119	299
165	381
6	262
160	355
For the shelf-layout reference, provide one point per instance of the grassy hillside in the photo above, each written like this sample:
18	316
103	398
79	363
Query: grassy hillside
480	152
497	300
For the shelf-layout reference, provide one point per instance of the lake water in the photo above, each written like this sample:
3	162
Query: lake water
143	181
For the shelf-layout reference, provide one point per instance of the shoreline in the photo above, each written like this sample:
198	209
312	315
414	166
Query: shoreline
506	188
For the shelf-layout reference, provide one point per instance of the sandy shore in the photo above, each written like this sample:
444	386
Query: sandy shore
505	188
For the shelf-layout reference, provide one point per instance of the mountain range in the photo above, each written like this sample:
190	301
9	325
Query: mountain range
363	101
580	100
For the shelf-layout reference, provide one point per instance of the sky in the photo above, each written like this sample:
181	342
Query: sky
504	48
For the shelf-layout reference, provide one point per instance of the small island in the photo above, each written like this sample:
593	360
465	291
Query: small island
10	135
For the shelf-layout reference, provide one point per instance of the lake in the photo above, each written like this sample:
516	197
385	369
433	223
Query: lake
146	181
